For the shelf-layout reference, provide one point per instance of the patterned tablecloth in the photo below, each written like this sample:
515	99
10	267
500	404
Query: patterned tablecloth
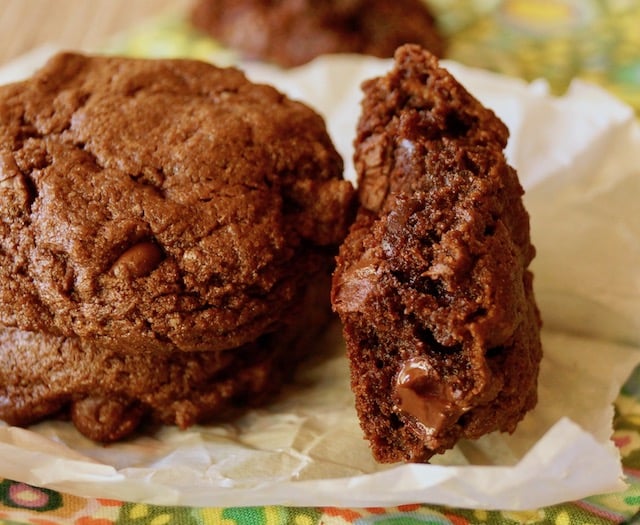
597	40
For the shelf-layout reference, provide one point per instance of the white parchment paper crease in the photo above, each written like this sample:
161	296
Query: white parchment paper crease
578	158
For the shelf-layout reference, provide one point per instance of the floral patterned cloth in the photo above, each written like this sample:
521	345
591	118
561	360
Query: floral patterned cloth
20	503
597	40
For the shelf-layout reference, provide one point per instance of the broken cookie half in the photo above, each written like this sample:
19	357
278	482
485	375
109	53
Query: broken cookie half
432	283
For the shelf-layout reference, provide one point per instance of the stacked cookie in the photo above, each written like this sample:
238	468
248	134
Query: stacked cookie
167	236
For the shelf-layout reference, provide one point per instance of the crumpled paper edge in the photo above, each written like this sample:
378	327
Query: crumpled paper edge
479	487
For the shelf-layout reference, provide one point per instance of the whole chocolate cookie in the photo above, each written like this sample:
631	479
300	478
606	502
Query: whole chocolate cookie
293	32
432	283
157	205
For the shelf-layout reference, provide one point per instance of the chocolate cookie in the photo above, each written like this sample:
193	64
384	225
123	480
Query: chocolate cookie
292	32
109	393
157	205
432	283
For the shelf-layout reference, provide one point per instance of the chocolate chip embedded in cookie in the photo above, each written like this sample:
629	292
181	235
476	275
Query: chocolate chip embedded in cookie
293	32
161	204
432	283
139	260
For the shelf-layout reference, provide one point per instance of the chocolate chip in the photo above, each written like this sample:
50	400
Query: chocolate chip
105	419
422	394
138	261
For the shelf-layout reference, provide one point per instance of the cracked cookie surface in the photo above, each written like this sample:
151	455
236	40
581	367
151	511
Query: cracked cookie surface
161	204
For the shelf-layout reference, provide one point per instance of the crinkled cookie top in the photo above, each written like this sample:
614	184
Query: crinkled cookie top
160	203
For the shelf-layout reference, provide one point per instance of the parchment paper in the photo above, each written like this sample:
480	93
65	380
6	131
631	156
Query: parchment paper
578	157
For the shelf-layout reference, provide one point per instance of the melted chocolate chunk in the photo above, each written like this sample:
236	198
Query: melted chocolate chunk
422	394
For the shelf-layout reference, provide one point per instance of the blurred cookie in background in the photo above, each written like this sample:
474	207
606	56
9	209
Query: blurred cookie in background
293	32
